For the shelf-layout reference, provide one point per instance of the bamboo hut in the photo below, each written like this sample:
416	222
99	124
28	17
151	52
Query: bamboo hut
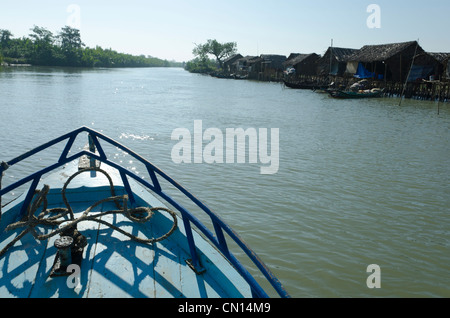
390	62
442	65
304	64
270	66
287	64
429	66
273	61
247	65
334	61
228	64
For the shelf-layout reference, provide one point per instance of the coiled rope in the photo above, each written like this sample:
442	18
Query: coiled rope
30	221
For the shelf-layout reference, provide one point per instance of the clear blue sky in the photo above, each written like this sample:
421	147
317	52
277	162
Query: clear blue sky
168	29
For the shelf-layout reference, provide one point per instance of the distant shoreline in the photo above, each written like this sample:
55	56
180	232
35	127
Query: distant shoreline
43	48
85	67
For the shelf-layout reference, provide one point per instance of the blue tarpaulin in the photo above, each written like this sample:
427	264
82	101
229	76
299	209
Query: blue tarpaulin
363	73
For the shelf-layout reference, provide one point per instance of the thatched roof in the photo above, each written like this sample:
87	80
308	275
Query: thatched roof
427	58
273	57
378	53
299	58
292	55
440	57
275	61
232	58
248	60
341	54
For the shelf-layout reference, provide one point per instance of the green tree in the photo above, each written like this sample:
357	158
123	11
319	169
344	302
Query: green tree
17	50
219	50
89	58
5	38
43	44
41	47
71	45
5	41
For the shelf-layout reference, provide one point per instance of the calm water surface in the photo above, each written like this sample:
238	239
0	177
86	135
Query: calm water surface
359	182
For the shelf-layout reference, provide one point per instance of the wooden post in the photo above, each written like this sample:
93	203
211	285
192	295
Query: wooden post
375	71
331	56
409	72
439	100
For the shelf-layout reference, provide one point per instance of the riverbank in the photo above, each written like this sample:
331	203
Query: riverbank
401	69
420	90
14	65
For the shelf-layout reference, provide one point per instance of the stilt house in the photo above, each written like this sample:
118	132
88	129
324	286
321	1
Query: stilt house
429	66
304	64
334	61
390	62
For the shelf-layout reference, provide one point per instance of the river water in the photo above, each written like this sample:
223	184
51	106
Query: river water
359	182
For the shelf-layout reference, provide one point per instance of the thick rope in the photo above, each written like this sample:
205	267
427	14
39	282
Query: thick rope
30	221
111	186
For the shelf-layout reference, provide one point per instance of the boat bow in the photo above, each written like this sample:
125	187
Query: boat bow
129	200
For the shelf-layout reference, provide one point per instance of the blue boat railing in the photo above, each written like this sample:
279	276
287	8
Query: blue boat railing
217	238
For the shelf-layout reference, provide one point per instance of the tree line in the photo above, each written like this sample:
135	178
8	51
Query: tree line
66	48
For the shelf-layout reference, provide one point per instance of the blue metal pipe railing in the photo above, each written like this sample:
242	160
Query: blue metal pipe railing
219	225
